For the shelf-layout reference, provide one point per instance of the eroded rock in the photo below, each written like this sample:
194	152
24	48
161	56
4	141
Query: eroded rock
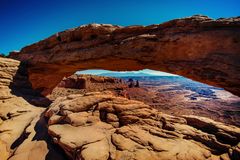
196	47
16	114
99	125
23	132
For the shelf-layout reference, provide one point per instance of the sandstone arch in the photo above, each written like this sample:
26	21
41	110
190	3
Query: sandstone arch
197	47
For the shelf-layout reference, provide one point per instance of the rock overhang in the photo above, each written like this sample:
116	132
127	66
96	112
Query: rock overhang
196	47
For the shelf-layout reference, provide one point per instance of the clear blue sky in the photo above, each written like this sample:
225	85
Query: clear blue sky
23	22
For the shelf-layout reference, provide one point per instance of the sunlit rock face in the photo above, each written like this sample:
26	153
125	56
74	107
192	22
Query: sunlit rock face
101	126
197	47
17	116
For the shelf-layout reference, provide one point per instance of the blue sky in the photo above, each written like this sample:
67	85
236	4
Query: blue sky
23	22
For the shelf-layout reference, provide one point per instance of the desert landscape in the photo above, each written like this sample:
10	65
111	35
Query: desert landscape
47	112
174	95
180	96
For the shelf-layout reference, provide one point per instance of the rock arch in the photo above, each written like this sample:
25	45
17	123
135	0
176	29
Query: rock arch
197	47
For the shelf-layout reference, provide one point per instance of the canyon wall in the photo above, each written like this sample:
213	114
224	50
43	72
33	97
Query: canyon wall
197	47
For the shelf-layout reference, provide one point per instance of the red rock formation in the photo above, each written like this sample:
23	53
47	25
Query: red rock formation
197	47
91	82
80	84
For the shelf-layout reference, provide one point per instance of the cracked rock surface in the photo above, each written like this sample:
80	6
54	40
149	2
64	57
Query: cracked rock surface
99	125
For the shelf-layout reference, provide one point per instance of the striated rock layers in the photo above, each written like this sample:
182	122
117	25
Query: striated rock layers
197	47
101	126
16	117
23	132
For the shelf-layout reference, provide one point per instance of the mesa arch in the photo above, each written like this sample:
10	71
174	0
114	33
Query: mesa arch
197	47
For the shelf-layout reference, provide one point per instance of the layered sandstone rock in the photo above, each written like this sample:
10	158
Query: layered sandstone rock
22	135
99	125
15	113
197	47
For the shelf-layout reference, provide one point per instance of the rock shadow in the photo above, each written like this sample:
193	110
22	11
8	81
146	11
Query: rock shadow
22	87
41	129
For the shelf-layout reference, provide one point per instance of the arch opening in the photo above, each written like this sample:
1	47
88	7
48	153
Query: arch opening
169	93
197	47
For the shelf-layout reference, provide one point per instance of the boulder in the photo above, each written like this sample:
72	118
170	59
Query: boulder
101	126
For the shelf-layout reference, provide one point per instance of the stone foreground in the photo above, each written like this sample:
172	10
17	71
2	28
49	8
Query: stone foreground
101	126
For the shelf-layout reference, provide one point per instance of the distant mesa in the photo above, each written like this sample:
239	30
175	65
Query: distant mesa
90	82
